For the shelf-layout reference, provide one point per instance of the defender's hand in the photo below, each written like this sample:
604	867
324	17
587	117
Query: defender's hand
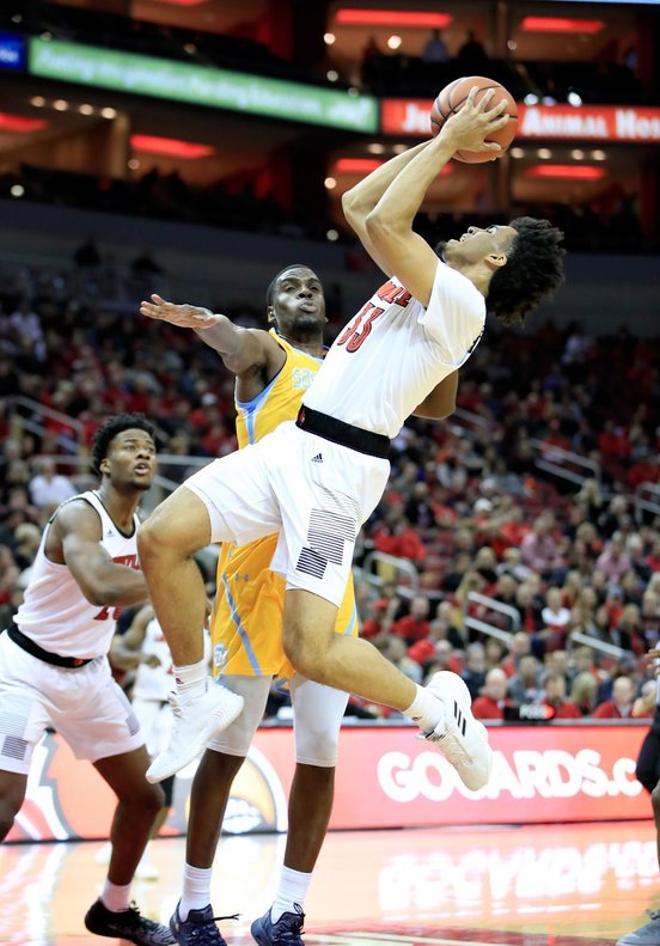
186	316
469	127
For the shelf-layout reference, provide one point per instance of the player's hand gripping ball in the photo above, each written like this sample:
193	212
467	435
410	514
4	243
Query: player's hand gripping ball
497	126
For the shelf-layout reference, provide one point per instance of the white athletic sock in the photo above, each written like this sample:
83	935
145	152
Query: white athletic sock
196	892
191	680
115	897
293	888
426	710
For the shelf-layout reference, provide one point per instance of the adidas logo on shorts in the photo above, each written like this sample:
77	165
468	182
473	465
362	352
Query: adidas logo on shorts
318	458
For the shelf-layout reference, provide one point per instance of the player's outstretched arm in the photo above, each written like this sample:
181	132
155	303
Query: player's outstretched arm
358	202
389	225
441	402
239	348
101	581
126	649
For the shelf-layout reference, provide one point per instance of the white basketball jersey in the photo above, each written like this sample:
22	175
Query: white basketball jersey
55	613
395	352
154	683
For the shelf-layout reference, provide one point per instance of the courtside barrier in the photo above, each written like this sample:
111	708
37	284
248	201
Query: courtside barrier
386	778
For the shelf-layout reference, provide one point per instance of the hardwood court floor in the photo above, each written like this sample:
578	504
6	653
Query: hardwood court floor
531	886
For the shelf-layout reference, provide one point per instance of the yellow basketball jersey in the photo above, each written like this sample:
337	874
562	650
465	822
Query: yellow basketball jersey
280	400
246	624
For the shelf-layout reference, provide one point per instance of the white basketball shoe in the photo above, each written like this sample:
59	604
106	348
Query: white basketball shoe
196	720
461	738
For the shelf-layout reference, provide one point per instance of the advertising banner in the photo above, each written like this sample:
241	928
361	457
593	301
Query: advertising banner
385	778
201	85
12	52
588	122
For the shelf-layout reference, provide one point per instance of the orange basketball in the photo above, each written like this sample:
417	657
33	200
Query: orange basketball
452	99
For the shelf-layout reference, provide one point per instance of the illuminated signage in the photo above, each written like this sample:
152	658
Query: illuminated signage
12	52
199	85
589	122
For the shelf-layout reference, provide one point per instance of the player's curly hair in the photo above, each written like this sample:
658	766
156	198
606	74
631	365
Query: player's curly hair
107	432
533	271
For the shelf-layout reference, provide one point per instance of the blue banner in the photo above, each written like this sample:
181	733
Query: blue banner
12	52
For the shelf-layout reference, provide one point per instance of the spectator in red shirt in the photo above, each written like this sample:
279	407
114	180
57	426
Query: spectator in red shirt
621	704
414	626
514	530
613	441
490	704
444	658
376	620
402	541
554	696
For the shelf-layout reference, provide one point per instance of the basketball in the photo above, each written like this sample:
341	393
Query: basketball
451	99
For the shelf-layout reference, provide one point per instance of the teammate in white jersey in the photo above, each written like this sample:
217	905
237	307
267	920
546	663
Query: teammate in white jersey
315	482
54	668
143	650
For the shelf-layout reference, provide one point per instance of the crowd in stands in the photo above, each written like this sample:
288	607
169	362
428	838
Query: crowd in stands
609	79
574	567
609	223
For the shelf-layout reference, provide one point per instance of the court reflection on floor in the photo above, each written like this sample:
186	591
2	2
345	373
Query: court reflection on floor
589	881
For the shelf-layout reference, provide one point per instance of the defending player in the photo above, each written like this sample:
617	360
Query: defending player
54	668
315	482
247	629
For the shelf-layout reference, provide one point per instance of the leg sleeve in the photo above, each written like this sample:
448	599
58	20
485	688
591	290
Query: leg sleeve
317	714
236	739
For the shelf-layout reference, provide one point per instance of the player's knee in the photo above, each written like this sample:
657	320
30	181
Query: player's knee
152	538
307	652
146	800
317	745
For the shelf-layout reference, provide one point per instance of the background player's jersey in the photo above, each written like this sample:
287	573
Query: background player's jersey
395	351
246	625
55	613
154	683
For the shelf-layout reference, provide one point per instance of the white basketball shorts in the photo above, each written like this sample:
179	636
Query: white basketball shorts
315	493
84	705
